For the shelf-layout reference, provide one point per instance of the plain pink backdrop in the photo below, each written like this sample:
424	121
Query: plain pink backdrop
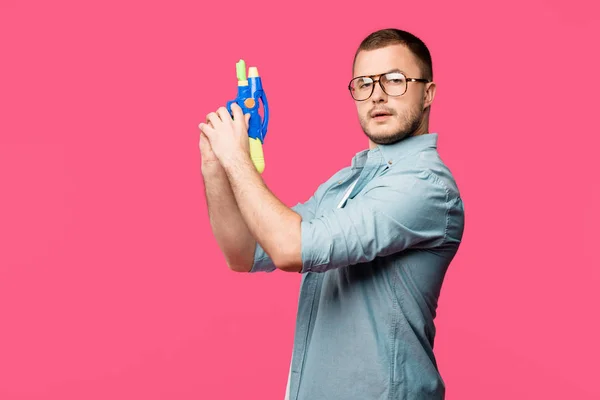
111	283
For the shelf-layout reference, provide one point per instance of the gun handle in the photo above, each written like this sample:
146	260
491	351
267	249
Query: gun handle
256	153
263	98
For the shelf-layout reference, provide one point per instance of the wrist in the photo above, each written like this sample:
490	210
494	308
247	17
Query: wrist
235	160
212	168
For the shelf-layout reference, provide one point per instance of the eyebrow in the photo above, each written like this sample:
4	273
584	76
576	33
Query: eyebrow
383	73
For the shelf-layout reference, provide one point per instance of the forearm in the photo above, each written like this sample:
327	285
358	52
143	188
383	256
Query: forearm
274	225
231	232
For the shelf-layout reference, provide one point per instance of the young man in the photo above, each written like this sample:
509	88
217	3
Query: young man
373	243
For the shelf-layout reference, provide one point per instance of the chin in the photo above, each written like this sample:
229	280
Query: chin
386	136
387	139
393	129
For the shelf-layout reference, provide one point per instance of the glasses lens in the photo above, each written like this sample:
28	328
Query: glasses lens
361	88
394	83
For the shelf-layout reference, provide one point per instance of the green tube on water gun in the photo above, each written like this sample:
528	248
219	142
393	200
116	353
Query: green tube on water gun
240	67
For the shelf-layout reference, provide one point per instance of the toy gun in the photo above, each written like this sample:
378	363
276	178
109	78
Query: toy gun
249	92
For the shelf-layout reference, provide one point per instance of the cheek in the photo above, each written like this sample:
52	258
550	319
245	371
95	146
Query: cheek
415	100
407	106
362	111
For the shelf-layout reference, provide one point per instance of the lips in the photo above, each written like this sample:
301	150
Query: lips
380	113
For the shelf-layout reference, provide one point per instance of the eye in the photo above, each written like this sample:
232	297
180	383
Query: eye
364	83
395	78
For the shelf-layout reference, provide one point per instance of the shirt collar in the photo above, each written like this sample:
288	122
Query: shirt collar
390	153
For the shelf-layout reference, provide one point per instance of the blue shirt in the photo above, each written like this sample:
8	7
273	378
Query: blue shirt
372	272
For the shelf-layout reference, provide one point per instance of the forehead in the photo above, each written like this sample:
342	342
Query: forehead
374	62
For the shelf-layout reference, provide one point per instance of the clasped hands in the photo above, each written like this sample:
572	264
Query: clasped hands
224	139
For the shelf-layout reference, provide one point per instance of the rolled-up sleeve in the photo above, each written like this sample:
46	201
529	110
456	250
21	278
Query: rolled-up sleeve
401	212
262	261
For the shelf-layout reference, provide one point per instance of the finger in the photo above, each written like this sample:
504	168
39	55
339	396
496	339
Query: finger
247	116
204	143
224	114
236	110
213	119
206	129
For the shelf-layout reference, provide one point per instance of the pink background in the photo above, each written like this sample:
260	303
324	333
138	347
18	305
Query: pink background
111	283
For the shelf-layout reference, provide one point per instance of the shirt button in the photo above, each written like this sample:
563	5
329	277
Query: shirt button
339	182
390	162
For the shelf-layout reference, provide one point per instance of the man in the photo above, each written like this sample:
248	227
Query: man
373	243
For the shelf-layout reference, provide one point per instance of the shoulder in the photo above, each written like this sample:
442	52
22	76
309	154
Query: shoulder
431	162
421	178
425	169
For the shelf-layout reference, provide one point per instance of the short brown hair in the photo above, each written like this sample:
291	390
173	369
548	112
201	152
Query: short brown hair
390	36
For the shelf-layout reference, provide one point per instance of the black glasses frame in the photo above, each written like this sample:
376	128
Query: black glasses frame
381	86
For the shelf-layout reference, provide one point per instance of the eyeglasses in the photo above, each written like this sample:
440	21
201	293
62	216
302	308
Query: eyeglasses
392	84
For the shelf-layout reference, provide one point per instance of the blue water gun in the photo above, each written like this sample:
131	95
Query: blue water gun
250	91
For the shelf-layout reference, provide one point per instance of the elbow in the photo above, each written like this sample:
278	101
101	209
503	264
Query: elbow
289	267
289	258
237	267
290	262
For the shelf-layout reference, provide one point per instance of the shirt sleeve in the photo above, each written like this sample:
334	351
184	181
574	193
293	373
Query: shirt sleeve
262	261
307	210
400	212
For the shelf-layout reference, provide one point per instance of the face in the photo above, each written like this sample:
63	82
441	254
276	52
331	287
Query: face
403	115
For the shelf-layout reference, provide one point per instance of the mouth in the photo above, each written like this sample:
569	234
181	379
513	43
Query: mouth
379	115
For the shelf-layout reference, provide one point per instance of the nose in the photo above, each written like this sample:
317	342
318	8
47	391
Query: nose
378	94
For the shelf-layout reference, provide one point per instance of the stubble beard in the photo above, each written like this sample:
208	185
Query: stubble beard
410	123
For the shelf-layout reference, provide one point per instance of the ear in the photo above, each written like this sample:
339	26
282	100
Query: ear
429	94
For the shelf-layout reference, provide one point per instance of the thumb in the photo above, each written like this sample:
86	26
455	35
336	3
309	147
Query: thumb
247	116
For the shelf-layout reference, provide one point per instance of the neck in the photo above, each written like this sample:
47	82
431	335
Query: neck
422	129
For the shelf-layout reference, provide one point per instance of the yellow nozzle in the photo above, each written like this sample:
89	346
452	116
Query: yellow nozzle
253	72
256	153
